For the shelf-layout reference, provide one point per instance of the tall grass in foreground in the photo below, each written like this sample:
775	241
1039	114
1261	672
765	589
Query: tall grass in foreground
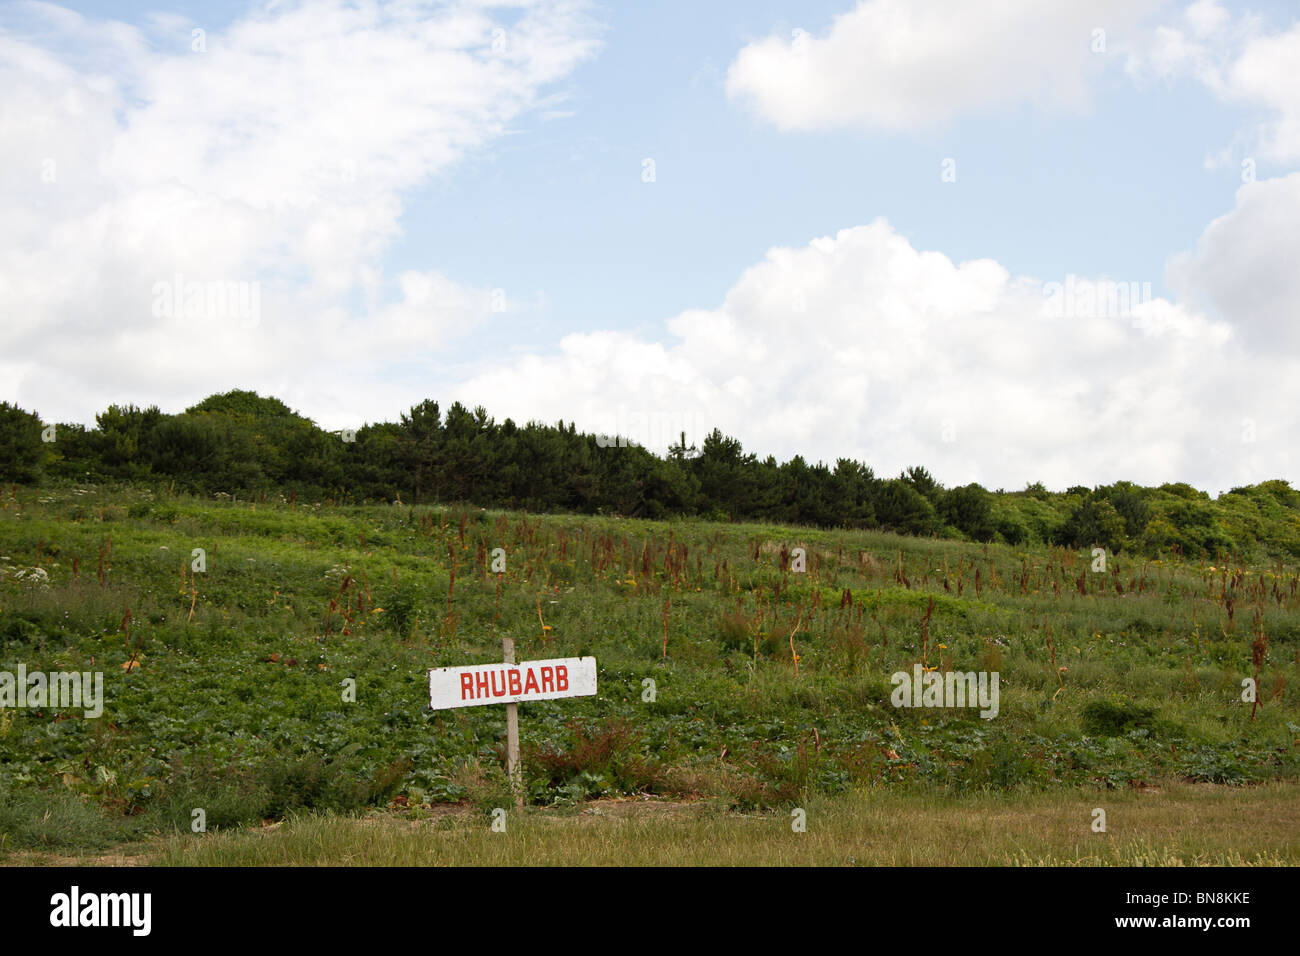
1176	825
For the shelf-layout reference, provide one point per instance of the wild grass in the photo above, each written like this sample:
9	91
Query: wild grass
1178	825
224	688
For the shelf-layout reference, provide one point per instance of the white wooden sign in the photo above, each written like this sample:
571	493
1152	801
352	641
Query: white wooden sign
509	683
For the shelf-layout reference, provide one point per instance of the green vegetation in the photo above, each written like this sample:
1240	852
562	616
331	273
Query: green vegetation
225	688
241	444
1171	825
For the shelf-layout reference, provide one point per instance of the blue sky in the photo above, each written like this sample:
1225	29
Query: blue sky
559	206
1115	178
1111	191
562	208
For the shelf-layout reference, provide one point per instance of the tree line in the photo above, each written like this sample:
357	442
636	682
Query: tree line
243	444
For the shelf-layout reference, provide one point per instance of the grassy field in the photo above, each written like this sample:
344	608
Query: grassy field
1175	824
729	680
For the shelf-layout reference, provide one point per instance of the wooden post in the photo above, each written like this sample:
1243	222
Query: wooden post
512	732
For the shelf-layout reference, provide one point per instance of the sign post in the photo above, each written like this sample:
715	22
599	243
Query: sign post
512	731
511	684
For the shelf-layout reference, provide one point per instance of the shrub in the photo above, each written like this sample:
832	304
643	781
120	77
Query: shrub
36	820
1004	766
1102	718
733	630
598	756
21	448
399	612
230	796
1094	521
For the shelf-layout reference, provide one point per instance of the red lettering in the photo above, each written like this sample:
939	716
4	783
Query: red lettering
480	685
514	682
502	691
548	682
561	677
530	683
466	686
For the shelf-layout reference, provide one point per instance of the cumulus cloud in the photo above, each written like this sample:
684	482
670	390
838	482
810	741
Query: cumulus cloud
1240	61
861	345
154	193
904	64
1244	268
273	153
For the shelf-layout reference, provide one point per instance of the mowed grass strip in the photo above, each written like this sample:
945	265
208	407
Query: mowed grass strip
1174	824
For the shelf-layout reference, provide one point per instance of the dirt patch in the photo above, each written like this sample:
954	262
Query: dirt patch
118	857
427	814
825	554
641	807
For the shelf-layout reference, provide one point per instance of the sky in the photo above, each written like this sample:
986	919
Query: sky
1010	242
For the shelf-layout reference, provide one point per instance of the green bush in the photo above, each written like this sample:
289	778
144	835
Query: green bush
21	449
57	820
1104	718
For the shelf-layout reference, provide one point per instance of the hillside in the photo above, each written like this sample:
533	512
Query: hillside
225	684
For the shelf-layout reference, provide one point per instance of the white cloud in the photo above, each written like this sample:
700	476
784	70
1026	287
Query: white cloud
904	64
1244	265
1240	62
894	345
280	156
910	64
